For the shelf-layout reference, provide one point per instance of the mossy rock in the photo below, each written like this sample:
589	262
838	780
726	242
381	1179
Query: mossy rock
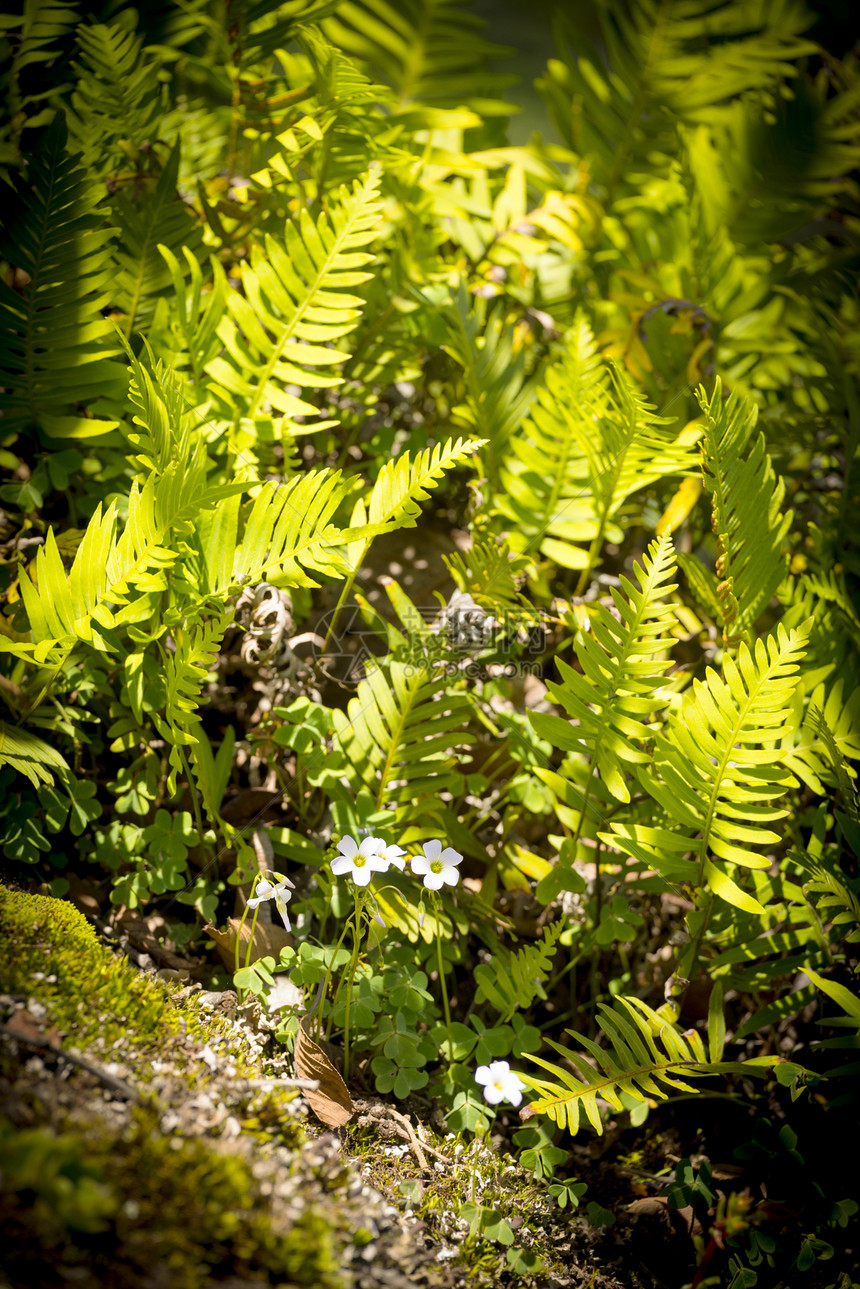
101	1192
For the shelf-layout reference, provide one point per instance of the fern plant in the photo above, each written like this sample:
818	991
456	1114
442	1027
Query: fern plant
57	349
647	1058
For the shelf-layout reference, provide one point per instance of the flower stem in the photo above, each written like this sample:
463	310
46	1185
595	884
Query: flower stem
329	970
356	942
442	985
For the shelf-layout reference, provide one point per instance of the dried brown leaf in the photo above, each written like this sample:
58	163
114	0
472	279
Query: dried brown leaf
331	1102
269	940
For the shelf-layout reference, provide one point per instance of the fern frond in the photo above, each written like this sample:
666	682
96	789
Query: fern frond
647	1057
611	701
296	301
490	572
431	53
398	735
509	981
29	755
835	899
57	351
630	71
746	514
118	100
149	213
186	322
498	391
289	530
33	39
719	772
186	669
588	444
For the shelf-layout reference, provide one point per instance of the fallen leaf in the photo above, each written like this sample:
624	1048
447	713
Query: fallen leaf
269	940
331	1102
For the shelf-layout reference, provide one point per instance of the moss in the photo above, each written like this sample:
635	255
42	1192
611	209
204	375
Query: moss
144	1207
50	952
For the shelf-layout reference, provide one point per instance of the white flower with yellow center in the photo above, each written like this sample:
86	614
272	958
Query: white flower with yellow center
279	891
360	862
438	867
500	1083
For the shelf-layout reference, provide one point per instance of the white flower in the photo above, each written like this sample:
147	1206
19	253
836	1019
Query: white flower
437	866
360	862
393	854
280	893
500	1083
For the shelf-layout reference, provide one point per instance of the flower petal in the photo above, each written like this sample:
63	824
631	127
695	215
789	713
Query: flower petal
432	849
341	864
420	865
348	846
451	856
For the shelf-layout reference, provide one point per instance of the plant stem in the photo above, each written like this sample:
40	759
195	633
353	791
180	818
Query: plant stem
442	985
329	970
356	941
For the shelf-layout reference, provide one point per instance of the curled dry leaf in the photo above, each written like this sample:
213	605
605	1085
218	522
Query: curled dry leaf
331	1101
269	940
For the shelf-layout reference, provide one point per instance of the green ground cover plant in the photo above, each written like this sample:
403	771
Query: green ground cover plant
451	547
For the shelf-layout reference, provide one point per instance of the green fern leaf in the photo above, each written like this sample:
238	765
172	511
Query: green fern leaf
646	1059
746	510
118	100
498	393
29	755
296	301
398	735
289	530
509	981
718	773
432	54
150	213
55	347
621	668
589	443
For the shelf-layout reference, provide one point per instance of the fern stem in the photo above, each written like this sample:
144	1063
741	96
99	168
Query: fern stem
347	587
192	788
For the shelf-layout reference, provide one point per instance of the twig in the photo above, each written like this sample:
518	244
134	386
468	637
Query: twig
119	1086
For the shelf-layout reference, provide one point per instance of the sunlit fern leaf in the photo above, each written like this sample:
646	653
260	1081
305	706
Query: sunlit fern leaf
746	510
834	894
589	443
631	71
29	755
647	1057
402	483
188	317
119	98
828	734
144	215
296	302
623	662
719	772
544	477
33	39
262	28
186	669
57	351
498	391
431	52
512	980
109	573
491	573
290	532
399	736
